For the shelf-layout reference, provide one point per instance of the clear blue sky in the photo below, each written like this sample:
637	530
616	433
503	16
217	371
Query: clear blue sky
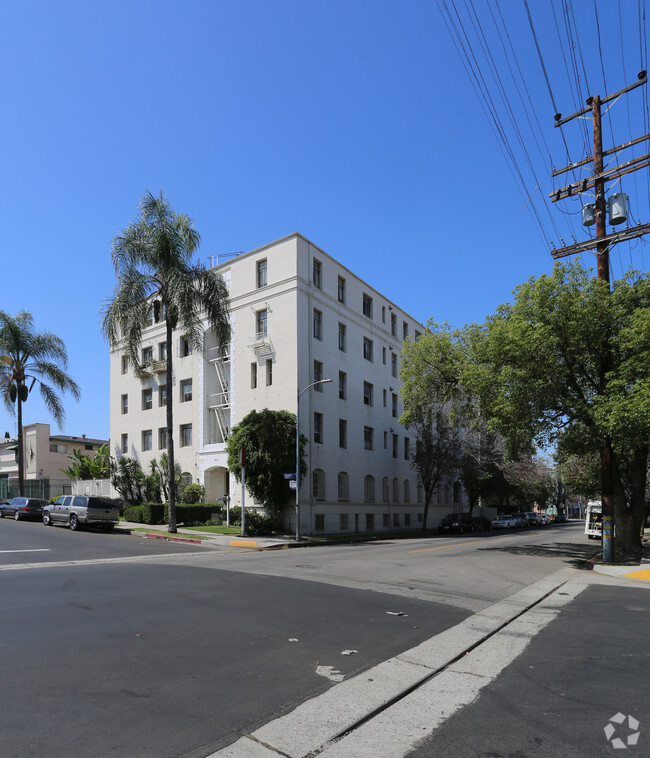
354	123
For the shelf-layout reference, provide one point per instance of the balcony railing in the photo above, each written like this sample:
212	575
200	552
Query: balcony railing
219	400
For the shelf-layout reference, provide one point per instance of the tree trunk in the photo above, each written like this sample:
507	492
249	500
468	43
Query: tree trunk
21	452
629	517
171	472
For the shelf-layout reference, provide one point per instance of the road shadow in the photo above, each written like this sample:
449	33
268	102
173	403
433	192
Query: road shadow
575	554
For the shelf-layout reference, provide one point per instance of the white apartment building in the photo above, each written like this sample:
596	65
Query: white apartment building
298	316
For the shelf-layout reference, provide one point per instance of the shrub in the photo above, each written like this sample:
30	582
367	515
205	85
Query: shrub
193	493
134	514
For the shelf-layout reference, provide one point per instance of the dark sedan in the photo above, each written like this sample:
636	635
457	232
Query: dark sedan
23	508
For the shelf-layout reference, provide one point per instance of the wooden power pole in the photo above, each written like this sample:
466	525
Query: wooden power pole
602	244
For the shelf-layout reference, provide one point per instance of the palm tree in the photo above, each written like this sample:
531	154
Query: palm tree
28	357
154	270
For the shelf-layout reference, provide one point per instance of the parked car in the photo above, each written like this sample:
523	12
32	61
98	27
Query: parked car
23	508
77	510
534	518
503	521
456	522
482	524
561	518
544	519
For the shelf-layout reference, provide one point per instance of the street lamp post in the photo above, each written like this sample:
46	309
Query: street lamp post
300	394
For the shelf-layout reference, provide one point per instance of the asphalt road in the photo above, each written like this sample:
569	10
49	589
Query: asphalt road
177	651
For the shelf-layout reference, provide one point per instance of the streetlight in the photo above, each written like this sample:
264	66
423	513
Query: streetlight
300	394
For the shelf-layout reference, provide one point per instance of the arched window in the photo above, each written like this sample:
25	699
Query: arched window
318	484
344	487
369	489
456	492
396	490
420	494
407	491
384	489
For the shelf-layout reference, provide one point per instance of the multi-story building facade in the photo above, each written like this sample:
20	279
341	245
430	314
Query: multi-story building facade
297	316
45	454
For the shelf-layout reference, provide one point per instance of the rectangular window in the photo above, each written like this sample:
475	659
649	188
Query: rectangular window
318	324
368	433
318	428
367	393
367	349
319	518
147	355
383	314
383	355
343	433
147	399
125	404
318	375
147	439
395	519
125	364
317	273
393	364
395	444
343	521
162	395
407	449
162	351
343	385
124	444
261	273
407	519
385	440
417	335
149	319
394	405
342	337
184	347
367	305
405	330
384	394
393	324
162	438
269	372
186	435
261	325
370	522
186	390
341	290
253	376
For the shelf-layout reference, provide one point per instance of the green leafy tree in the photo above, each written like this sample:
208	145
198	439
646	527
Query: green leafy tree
270	441
155	273
430	383
28	357
537	368
84	466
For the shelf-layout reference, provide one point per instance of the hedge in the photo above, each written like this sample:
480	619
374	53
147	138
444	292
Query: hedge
187	514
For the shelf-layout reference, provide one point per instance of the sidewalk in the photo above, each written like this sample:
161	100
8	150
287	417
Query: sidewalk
207	539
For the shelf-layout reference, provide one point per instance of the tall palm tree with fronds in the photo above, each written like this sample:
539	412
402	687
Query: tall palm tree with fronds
154	269
28	357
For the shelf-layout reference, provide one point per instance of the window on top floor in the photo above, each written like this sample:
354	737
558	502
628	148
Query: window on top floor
393	324
366	305
341	290
317	273
405	330
261	273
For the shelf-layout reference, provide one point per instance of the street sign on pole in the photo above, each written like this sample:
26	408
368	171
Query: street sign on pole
290	476
292	484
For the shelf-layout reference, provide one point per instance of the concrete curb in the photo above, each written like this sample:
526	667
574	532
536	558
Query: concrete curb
347	711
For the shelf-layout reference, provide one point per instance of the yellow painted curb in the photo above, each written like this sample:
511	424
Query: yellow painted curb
645	574
243	543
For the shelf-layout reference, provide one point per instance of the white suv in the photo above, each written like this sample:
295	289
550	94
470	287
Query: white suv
75	510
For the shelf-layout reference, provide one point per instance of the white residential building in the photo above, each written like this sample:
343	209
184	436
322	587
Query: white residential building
298	316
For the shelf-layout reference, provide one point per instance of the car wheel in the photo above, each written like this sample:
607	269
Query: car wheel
2	514
47	520
461	530
74	523
109	527
16	516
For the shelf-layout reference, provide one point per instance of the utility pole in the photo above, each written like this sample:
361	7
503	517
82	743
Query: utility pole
602	243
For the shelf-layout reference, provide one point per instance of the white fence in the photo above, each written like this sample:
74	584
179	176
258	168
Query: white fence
97	487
